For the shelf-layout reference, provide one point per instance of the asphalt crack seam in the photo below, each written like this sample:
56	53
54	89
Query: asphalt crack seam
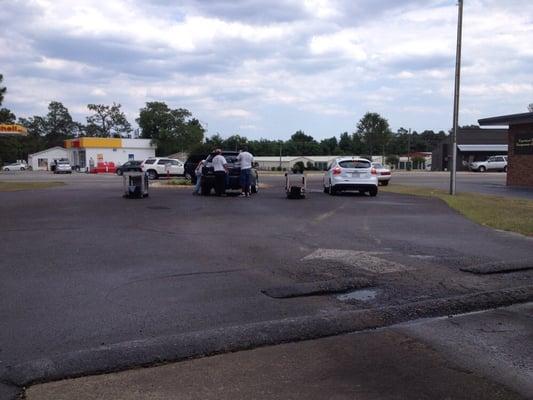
181	275
174	348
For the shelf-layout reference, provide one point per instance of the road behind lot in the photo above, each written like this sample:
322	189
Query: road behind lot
491	183
83	268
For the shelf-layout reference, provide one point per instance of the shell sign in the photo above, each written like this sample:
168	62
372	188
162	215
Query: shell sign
17	130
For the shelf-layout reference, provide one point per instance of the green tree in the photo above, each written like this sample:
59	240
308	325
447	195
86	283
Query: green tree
235	142
3	90
215	141
58	124
346	143
170	130
302	144
6	116
107	121
329	146
375	132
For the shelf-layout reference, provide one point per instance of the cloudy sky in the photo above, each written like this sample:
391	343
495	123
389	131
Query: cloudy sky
266	68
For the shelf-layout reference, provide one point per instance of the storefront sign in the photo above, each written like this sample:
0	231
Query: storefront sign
12	129
523	143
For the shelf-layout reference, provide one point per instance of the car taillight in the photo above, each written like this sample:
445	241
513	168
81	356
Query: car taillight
337	171
374	171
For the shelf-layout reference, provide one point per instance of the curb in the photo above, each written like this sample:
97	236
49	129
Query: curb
149	352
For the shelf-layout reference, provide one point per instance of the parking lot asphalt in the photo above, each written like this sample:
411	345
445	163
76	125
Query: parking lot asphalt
483	355
84	268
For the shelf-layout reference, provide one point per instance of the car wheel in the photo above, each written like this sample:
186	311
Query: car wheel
505	169
22	168
6	169
373	192
254	189
331	190
152	175
482	169
385	183
119	172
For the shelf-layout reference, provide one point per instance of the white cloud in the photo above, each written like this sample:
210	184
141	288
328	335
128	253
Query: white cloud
345	43
234	113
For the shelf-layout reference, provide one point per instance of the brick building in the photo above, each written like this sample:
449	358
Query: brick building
520	149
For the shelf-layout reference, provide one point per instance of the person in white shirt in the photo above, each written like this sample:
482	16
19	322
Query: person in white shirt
220	167
246	160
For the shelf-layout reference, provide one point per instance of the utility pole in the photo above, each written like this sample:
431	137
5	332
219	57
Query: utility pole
453	169
408	166
280	147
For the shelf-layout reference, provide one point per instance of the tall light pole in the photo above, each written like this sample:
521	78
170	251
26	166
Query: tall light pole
453	169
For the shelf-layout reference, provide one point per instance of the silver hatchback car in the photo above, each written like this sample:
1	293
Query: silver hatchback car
351	173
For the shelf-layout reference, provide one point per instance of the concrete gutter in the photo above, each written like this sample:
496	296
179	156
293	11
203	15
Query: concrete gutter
148	352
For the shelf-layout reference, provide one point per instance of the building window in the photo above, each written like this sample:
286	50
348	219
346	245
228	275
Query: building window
42	163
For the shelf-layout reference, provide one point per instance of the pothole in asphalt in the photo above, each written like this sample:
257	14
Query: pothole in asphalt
370	261
317	288
359	295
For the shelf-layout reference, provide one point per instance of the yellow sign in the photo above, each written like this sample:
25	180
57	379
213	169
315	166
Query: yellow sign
94	143
13	129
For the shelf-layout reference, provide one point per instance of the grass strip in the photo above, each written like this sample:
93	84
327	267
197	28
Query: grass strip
17	186
504	213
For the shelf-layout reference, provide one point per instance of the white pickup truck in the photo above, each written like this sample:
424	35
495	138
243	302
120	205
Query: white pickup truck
494	163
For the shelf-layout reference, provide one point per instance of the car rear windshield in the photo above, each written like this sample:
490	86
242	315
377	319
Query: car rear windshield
354	164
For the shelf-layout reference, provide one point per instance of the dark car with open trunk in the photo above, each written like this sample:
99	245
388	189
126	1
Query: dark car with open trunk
233	177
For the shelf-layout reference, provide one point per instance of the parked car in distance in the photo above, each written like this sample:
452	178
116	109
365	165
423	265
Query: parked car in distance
62	167
233	181
18	166
351	173
493	163
190	166
162	166
129	166
384	174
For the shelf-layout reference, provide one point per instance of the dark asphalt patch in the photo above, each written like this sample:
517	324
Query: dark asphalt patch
153	351
316	288
499	267
9	392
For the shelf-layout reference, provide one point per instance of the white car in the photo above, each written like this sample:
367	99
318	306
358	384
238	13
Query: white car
62	167
161	166
351	173
18	166
384	174
494	163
